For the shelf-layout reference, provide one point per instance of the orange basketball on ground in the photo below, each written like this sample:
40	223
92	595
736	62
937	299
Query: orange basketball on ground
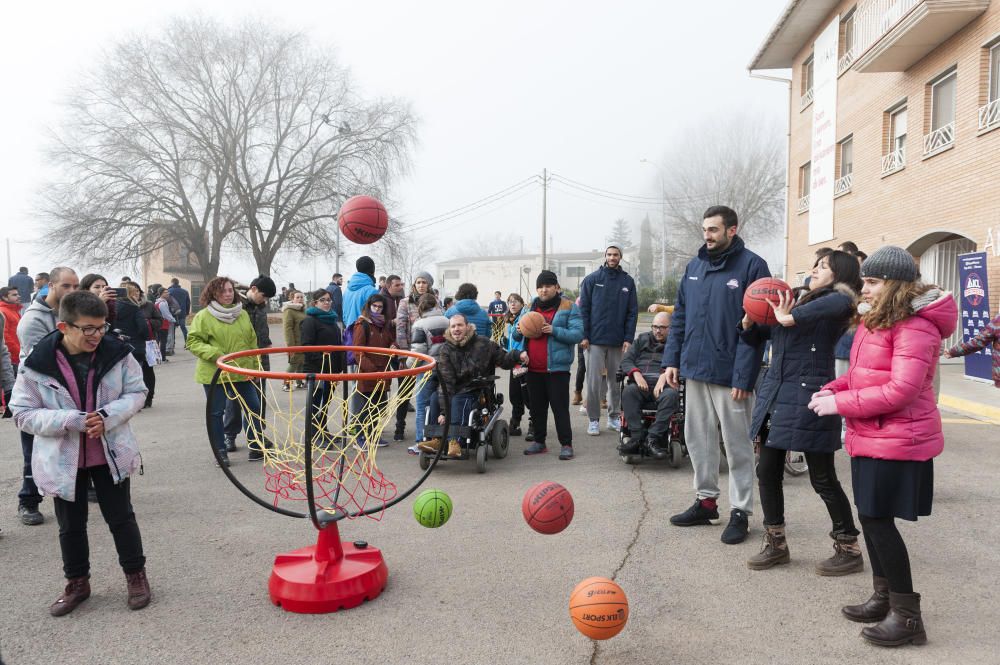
598	607
759	295
530	324
547	507
363	219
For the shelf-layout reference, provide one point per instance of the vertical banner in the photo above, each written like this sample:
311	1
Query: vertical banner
824	134
975	304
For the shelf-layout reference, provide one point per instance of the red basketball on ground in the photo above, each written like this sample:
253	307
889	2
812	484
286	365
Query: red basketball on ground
598	607
530	324
363	219
547	507
759	295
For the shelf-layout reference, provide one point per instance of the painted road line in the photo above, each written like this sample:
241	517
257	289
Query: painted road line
964	421
978	409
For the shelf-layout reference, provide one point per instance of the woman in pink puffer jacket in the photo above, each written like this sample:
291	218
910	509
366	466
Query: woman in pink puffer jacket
893	430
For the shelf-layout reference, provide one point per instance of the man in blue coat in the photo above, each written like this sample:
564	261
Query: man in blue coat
609	307
360	286
719	369
183	298
336	295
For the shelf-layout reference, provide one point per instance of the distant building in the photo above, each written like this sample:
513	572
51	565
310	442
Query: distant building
169	261
516	273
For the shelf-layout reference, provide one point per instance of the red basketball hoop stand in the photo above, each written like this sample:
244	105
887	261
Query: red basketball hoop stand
327	576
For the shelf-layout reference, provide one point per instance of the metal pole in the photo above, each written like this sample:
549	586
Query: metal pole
545	191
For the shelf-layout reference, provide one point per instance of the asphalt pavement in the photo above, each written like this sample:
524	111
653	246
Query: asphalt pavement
484	588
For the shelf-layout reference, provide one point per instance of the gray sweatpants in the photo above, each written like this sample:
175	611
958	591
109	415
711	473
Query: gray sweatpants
600	358
707	406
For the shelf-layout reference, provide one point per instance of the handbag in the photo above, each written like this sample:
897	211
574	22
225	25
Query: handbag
153	357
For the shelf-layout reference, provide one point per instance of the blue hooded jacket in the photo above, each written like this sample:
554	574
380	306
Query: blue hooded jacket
359	288
475	315
567	331
609	307
704	339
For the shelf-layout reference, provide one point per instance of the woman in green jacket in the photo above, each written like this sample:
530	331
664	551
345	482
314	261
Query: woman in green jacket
223	327
293	312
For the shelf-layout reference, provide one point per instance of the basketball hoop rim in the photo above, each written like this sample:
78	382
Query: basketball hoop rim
428	364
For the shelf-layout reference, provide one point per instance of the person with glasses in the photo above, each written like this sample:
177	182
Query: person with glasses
374	330
641	366
320	327
76	393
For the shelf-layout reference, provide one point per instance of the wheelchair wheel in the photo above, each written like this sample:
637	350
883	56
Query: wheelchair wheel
425	461
795	463
500	439
481	459
676	454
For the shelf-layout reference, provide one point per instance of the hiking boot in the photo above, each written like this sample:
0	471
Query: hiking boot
630	446
738	528
774	552
230	444
577	398
430	446
566	453
594	428
77	590
454	449
846	558
698	514
139	594
399	434
875	608
902	625
536	449
30	515
658	448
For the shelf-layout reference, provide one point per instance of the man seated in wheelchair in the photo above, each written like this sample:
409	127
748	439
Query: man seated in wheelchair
464	357
641	369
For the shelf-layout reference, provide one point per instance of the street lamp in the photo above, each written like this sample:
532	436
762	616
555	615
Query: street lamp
663	233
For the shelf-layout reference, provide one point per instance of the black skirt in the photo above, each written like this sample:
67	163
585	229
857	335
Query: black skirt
892	488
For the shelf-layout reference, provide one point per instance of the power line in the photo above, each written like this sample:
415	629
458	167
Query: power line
618	196
506	202
486	200
606	202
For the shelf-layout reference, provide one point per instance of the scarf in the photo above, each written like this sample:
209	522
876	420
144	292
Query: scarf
326	317
551	303
377	319
226	314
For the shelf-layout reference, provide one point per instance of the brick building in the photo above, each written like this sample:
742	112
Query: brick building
894	130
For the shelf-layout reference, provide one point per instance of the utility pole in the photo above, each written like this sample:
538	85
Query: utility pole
545	192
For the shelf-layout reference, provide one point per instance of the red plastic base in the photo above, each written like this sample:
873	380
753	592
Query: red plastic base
328	576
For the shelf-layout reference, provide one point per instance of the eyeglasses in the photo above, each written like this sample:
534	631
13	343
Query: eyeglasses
661	327
377	306
90	331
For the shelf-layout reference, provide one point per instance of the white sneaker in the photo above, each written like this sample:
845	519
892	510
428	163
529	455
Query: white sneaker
593	429
583	408
614	424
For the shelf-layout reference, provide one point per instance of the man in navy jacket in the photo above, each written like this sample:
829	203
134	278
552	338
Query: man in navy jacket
719	369
609	308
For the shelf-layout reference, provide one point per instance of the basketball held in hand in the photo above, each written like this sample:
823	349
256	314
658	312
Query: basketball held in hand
530	325
363	219
758	298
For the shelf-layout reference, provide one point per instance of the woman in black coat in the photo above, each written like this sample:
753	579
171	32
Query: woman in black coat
320	328
802	361
130	322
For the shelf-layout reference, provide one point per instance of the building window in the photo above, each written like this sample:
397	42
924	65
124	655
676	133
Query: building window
845	171
807	83
989	114
805	183
942	115
848	50
576	271
894	158
451	274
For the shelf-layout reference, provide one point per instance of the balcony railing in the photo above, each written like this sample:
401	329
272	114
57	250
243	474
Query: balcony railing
846	60
874	18
939	139
843	185
807	99
989	115
804	203
894	161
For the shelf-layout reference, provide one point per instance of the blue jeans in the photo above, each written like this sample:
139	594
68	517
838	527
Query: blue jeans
29	495
427	398
462	405
216	396
233	421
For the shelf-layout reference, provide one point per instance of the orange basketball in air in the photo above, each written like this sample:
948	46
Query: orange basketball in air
759	295
363	219
530	324
598	607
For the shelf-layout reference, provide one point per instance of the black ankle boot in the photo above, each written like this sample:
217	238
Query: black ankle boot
902	625
515	428
875	608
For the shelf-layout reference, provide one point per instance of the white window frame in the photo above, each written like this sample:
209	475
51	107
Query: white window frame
845	181
894	155
989	114
805	186
808	79
942	136
850	51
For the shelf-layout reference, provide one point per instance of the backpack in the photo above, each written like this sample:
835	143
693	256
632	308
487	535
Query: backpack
349	340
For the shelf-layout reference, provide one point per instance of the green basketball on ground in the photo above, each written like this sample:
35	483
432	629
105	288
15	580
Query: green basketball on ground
432	508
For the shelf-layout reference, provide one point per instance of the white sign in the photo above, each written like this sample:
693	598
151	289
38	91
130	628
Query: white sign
824	134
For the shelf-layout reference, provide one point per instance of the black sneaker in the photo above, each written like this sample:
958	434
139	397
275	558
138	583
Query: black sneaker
566	452
30	515
224	456
696	515
230	445
630	446
399	434
737	529
536	449
658	448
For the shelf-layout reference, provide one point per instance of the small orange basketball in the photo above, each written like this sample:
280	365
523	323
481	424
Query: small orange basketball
598	607
530	324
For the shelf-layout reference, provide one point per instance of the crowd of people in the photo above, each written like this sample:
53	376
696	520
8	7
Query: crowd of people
858	341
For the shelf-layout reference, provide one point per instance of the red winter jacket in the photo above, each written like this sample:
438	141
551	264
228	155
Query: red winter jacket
887	396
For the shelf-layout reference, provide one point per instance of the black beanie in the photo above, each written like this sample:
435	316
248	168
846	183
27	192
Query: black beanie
265	285
546	277
366	265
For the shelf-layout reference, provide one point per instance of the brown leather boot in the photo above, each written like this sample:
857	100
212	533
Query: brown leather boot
902	625
774	552
139	594
875	608
846	558
454	449
577	398
77	590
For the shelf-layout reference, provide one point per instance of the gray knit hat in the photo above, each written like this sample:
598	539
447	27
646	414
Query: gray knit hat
425	276
890	262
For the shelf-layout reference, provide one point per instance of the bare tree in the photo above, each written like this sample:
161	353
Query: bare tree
211	137
737	161
498	243
621	233
405	253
